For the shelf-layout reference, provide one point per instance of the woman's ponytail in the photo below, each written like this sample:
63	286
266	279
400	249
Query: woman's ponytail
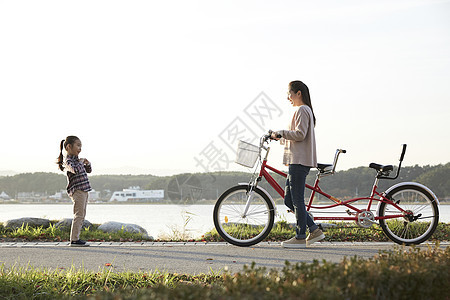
296	86
60	158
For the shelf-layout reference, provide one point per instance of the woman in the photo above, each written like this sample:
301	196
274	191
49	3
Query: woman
300	156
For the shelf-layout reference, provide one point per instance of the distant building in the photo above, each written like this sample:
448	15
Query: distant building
94	195
4	196
31	196
133	194
58	195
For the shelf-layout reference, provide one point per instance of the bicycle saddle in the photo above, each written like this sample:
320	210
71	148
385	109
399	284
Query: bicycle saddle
324	168
386	168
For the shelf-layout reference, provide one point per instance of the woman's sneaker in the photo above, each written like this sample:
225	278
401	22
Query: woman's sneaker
294	243
79	243
315	236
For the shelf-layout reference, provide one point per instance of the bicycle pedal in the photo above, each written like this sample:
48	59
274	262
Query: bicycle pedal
290	211
350	213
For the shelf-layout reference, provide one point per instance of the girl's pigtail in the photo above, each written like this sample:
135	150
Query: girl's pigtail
60	158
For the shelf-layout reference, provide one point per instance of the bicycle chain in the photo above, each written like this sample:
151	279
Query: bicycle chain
348	227
357	227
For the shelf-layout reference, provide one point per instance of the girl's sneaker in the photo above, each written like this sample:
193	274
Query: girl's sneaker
315	236
79	243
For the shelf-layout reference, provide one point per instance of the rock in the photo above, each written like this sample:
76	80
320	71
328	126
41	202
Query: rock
66	224
31	222
325	226
112	226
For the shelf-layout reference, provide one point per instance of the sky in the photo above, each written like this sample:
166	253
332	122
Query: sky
165	87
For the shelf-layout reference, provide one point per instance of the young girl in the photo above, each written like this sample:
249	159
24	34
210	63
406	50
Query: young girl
78	184
300	156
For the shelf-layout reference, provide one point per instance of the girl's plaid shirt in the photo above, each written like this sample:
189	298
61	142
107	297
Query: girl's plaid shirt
77	175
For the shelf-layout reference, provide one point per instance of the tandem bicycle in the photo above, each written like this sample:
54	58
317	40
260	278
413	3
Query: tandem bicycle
244	214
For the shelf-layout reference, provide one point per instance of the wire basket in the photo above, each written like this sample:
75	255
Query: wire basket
247	154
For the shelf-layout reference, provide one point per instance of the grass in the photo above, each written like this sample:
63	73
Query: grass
92	234
34	283
281	231
53	234
347	232
179	233
397	274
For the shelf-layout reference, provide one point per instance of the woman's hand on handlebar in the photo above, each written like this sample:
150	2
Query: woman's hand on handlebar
274	135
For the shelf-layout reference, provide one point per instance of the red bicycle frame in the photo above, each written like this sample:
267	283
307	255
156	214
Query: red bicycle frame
316	189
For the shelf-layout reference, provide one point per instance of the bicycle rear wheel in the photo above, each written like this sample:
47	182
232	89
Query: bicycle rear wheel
420	220
242	229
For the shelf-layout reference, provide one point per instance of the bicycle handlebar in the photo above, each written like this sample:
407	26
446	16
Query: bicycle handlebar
269	136
403	152
399	166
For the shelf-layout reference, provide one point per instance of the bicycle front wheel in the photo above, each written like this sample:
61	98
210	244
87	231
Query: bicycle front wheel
238	226
419	219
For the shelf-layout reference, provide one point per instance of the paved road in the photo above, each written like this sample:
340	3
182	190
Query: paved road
192	258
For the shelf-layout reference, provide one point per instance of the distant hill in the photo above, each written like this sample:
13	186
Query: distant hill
343	184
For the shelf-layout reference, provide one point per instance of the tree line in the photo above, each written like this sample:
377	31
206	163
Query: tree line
196	186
